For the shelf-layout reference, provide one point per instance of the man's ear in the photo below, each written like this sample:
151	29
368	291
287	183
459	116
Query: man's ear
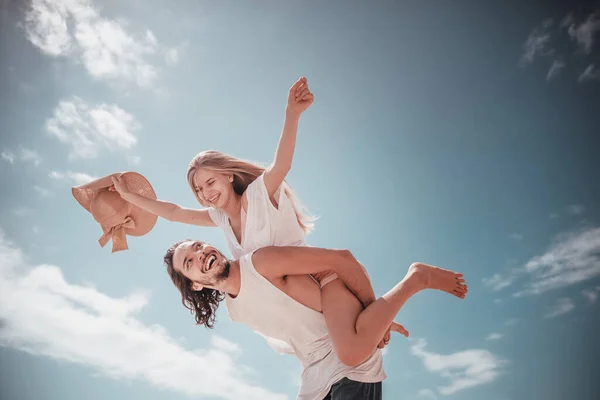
197	287
230	178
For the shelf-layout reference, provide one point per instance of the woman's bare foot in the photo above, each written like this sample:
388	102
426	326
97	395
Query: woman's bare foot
430	277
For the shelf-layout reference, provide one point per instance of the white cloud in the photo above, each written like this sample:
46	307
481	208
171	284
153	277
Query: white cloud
536	43
555	69
584	33
494	336
296	377
24	154
75	29
225	345
567	21
30	155
591	294
9	156
498	282
172	56
575	209
89	129
511	321
464	369
562	306
46	26
77	178
42	192
545	39
590	74
427	393
573	258
56	175
109	52
45	315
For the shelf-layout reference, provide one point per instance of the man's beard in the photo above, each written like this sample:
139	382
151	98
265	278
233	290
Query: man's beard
223	274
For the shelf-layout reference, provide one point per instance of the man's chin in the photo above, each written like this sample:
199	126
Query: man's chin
219	274
224	273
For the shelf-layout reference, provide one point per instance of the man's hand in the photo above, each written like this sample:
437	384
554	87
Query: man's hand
396	327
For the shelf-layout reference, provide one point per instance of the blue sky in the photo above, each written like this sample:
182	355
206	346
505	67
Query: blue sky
458	134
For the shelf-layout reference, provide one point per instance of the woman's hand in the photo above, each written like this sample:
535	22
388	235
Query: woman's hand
396	327
299	97
119	186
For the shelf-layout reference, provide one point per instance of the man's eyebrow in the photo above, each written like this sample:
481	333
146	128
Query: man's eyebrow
184	263
185	260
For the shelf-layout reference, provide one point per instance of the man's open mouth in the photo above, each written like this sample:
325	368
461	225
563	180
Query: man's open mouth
209	262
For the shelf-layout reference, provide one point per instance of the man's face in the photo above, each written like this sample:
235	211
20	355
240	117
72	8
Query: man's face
201	263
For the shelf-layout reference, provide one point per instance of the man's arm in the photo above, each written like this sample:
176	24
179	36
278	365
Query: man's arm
278	262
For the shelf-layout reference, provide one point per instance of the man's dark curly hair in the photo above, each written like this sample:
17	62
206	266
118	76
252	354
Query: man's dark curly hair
202	304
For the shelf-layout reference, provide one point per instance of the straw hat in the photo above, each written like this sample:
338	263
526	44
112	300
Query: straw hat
116	216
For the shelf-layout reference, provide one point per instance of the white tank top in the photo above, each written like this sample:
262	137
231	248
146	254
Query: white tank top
265	225
272	313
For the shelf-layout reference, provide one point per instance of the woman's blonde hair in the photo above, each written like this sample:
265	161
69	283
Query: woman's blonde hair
244	173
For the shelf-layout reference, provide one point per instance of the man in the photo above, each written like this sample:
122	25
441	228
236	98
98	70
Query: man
270	291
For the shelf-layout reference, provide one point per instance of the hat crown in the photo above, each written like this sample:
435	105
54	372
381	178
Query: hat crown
109	208
117	217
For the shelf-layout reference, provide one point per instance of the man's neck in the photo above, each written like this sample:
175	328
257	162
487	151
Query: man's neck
232	284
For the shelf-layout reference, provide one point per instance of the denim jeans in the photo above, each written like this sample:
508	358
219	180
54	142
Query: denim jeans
346	389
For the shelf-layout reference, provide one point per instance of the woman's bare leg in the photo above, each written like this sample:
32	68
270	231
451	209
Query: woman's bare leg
356	332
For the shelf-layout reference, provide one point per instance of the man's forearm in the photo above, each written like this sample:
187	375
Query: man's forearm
355	277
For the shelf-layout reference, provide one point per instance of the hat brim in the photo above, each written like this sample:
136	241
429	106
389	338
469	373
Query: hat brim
136	183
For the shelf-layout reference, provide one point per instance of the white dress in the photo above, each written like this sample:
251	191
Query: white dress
266	225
